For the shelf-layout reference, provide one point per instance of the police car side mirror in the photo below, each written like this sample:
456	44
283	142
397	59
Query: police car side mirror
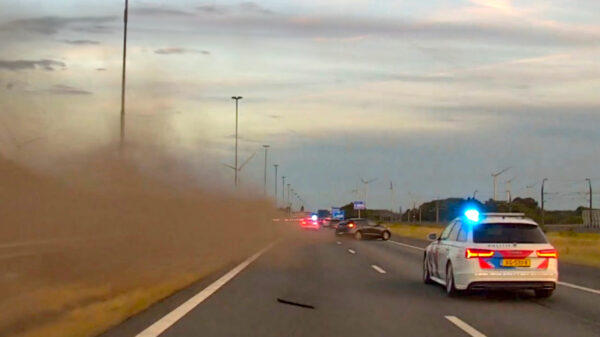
432	237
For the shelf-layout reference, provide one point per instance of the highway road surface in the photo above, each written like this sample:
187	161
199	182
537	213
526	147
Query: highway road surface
314	284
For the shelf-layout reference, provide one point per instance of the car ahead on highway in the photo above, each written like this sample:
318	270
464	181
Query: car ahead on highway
309	223
333	223
491	251
362	228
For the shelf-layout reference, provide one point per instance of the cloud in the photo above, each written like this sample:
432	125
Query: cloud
252	7
350	29
16	65
177	50
158	11
81	42
61	89
100	69
50	25
211	9
246	7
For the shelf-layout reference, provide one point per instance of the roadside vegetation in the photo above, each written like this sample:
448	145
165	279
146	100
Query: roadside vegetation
573	247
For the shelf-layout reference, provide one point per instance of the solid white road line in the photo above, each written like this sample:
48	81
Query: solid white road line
464	326
405	245
171	318
378	269
574	286
570	285
351	251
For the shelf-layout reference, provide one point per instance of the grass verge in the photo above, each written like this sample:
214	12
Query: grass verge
573	247
98	316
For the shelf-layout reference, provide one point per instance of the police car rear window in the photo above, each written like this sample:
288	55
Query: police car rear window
508	233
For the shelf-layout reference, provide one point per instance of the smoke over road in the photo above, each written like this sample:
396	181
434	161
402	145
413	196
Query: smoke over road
101	227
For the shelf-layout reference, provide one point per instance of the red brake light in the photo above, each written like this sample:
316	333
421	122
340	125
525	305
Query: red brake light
351	225
473	252
551	253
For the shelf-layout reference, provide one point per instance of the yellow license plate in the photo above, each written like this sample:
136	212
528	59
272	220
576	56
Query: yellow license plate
516	263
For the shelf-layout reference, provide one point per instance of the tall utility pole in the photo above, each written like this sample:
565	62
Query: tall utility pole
283	191
236	98
393	196
288	195
276	165
437	211
542	202
366	188
265	183
125	15
495	177
591	205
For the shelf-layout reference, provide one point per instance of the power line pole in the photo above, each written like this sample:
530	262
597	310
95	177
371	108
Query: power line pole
288	197
122	134
236	98
265	183
591	205
275	165
542	202
495	178
283	191
437	211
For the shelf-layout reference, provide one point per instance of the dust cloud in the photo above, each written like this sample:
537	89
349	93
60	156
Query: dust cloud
101	224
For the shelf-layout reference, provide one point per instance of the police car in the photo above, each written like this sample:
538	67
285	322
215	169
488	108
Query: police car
491	251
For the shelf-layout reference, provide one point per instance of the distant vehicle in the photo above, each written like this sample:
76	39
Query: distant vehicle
324	216
362	228
333	223
491	251
309	223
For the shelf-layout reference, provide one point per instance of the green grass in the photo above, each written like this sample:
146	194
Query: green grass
579	248
414	231
573	247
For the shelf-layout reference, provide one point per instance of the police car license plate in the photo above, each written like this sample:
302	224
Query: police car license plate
516	263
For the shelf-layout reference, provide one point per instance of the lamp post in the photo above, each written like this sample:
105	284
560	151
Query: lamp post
236	98
591	205
542	202
276	165
283	191
265	182
122	132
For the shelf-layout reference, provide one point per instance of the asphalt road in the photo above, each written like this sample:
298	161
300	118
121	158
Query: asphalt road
361	288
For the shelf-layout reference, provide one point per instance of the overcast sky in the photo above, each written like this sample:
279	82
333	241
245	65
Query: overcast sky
432	96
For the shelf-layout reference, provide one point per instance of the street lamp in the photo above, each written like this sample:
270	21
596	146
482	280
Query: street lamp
276	165
283	191
542	202
236	98
265	183
122	138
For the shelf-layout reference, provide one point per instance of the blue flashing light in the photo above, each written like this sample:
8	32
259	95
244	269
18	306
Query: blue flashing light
472	215
314	217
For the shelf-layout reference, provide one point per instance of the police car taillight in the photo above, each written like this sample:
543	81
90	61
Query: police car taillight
473	253
551	253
